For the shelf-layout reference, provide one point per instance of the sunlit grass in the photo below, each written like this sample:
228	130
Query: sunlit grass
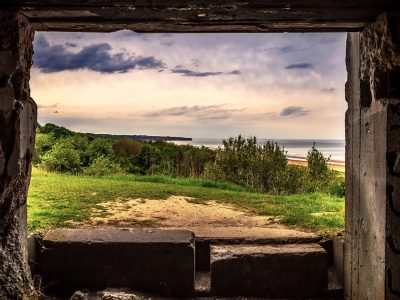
57	199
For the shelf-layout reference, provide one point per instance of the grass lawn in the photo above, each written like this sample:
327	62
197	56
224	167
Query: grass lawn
55	199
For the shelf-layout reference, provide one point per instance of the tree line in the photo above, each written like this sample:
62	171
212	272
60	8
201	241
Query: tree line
240	160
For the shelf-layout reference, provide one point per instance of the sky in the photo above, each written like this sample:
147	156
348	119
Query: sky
277	86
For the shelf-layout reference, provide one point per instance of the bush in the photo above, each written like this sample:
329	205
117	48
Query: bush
56	131
103	165
317	164
338	188
320	176
61	159
99	147
126	148
296	181
242	161
44	142
81	144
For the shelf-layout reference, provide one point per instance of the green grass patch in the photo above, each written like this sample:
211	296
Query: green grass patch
56	199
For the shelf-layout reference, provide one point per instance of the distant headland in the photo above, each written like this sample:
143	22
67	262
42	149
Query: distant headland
145	138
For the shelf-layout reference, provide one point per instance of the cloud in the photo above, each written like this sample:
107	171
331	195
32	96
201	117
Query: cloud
190	73
97	57
168	43
296	111
55	105
71	45
328	90
300	66
71	121
210	112
283	50
195	63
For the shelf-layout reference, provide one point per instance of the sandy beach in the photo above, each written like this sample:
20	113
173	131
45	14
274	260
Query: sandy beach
337	165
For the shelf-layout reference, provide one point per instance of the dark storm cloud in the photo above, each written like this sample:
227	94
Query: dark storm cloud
213	112
299	66
98	57
191	73
296	111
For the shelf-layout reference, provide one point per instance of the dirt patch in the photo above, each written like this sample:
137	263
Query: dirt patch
176	211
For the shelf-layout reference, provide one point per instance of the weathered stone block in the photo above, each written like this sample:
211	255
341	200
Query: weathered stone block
275	271
148	260
238	236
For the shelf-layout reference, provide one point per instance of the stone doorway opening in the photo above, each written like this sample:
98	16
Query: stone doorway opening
371	236
212	223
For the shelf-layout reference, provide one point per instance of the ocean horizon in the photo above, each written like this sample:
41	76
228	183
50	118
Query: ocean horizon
333	148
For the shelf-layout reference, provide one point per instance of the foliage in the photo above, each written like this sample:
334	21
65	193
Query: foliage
56	131
79	143
338	188
317	164
241	161
103	165
44	142
61	159
126	148
320	177
100	147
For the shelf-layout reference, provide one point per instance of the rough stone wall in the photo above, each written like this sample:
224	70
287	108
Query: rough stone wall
372	260
17	128
393	203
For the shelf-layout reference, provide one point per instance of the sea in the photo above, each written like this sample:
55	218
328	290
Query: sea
295	148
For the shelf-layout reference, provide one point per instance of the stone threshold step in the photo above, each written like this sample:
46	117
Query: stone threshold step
272	271
205	237
203	285
142	259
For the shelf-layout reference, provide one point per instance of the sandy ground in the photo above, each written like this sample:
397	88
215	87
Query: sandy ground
176	212
207	219
333	165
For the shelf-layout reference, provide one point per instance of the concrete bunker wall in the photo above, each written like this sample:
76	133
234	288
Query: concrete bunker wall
17	134
372	259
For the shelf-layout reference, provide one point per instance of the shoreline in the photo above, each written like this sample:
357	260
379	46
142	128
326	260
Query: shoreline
335	164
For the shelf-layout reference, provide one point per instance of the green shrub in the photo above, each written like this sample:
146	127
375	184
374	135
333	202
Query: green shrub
56	131
99	147
296	181
317	164
338	188
61	159
320	176
103	165
81	144
44	142
242	161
